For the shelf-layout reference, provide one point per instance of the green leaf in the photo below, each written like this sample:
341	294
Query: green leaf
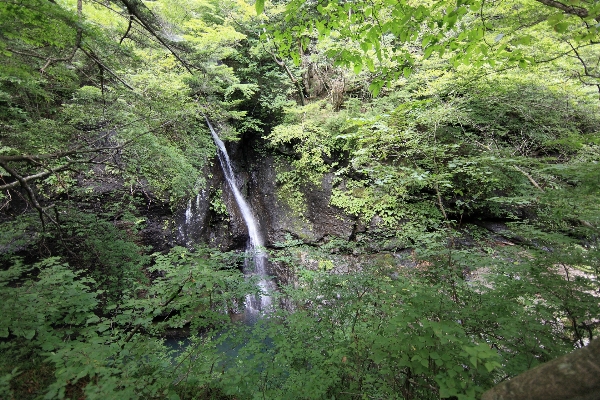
260	6
554	19
428	52
526	40
370	64
375	87
426	40
561	27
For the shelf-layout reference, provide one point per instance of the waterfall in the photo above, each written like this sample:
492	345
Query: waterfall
191	226
254	248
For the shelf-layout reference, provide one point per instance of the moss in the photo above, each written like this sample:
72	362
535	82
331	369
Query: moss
289	189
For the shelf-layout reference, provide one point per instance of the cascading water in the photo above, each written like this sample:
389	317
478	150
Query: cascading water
254	248
190	227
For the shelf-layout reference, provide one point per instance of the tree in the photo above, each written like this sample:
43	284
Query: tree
389	36
75	93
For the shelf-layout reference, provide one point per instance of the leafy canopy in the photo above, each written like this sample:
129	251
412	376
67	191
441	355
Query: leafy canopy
389	37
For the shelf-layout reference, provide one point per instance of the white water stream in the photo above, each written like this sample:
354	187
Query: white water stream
256	260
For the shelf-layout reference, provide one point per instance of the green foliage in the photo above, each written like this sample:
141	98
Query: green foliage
50	312
421	333
107	252
431	332
253	63
306	143
71	81
217	205
57	297
444	149
465	147
451	143
390	38
290	188
173	169
37	24
439	151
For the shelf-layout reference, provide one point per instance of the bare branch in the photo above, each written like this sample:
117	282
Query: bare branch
78	37
40	157
128	29
34	177
582	61
530	178
97	61
30	193
51	60
135	8
277	60
78	150
578	11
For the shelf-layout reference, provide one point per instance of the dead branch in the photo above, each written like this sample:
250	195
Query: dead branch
533	182
295	81
93	57
30	193
128	29
34	176
573	10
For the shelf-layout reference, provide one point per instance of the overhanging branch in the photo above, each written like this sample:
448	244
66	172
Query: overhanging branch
75	151
572	10
34	176
93	57
146	18
30	193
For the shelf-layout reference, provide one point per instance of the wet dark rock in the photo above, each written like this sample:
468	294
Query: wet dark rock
155	232
196	222
500	229
279	221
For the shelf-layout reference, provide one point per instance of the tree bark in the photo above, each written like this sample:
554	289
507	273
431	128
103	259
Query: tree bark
574	376
569	9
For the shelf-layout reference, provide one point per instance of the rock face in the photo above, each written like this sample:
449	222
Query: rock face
212	216
317	223
256	177
200	222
